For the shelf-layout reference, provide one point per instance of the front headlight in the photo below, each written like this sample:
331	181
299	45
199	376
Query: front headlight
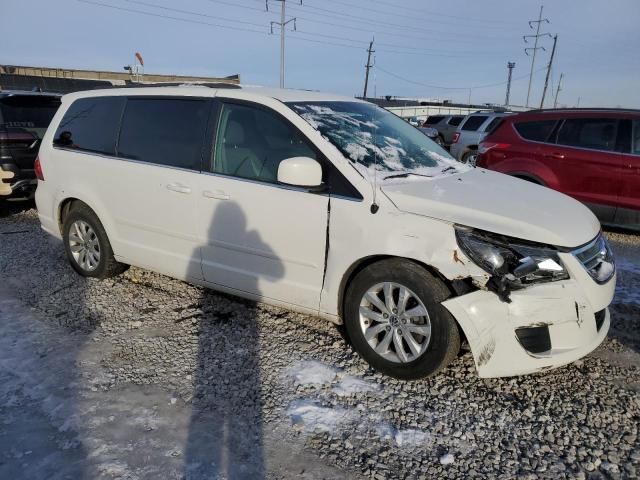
512	262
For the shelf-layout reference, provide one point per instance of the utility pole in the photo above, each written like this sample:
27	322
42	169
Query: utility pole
367	67
282	24
510	66
546	80
535	46
558	88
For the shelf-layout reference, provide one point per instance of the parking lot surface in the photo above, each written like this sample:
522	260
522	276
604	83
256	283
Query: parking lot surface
143	376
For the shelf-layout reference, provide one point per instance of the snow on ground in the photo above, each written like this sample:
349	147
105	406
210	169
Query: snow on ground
310	416
312	373
350	385
447	459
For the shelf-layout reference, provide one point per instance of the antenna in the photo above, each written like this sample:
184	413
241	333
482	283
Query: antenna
374	204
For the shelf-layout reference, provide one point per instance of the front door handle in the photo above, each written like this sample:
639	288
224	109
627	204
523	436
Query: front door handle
178	187
555	156
217	194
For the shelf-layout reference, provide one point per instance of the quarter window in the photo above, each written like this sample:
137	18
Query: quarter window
164	131
252	142
91	125
635	149
592	133
538	131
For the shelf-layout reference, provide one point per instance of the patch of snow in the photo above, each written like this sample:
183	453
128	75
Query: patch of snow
447	459
411	438
312	373
312	417
350	385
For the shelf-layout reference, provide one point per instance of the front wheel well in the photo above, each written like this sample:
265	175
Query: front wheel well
365	262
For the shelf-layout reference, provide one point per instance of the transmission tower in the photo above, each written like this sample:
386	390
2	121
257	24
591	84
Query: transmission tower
546	79
282	24
367	68
510	66
558	88
535	48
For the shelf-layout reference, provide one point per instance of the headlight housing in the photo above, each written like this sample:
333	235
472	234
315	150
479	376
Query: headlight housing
511	262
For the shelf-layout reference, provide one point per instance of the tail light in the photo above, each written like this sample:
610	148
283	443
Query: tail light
484	147
455	138
37	168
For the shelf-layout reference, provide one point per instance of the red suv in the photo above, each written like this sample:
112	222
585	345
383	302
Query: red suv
591	154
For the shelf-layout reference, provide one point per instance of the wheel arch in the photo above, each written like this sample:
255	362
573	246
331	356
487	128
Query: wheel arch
364	262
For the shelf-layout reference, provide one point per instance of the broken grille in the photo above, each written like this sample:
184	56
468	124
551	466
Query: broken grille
597	259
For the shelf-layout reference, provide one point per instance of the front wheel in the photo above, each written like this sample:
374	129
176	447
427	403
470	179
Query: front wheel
395	320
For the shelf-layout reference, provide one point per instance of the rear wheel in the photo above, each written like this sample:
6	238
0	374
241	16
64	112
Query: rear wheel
439	140
87	245
395	320
470	158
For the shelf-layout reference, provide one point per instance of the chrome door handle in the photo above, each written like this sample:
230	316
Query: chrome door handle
555	156
217	194
178	187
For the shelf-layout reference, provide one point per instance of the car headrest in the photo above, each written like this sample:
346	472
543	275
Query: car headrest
234	134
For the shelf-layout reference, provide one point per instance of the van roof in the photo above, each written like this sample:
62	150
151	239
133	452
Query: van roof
210	90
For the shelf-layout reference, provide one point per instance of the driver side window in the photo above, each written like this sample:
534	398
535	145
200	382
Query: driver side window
251	142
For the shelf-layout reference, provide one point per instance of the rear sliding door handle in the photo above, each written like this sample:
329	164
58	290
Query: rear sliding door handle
178	187
217	194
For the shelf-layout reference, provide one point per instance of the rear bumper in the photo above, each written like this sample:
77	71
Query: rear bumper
545	326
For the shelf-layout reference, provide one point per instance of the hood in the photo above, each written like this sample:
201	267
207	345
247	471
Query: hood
498	203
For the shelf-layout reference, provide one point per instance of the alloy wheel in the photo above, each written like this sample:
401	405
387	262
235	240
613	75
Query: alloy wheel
84	245
395	322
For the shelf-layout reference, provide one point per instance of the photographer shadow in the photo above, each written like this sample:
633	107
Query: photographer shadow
225	435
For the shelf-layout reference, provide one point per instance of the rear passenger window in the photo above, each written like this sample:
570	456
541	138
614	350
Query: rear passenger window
252	142
91	125
592	133
538	131
433	119
473	123
164	131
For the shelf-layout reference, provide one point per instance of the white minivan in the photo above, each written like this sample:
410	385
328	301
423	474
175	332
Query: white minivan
329	206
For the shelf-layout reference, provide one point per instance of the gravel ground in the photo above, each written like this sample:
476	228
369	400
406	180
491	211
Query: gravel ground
144	376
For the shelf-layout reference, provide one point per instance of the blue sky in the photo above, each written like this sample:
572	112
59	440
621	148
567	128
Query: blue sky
421	45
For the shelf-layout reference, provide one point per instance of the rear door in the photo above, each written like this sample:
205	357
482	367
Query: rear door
628	211
586	163
153	183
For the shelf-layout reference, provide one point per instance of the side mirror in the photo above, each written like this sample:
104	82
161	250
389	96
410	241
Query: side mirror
300	172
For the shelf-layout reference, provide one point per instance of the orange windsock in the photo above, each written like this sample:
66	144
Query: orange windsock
139	57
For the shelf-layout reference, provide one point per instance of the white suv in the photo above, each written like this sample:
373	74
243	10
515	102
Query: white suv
332	207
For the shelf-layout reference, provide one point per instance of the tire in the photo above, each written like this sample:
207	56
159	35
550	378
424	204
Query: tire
434	353
440	141
82	231
470	158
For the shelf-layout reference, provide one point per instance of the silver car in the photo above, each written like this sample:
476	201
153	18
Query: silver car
464	145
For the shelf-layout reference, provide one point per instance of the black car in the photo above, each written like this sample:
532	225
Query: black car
24	117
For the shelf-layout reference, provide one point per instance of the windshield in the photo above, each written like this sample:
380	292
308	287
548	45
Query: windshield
375	139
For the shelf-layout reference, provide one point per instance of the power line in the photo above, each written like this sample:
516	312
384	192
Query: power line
475	87
413	16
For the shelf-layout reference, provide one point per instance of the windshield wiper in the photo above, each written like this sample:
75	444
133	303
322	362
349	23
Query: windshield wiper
406	174
449	169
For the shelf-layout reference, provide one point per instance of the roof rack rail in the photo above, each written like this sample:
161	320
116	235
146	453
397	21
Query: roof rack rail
583	109
174	84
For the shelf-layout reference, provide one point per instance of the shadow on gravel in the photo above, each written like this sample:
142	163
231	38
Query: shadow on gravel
11	207
225	435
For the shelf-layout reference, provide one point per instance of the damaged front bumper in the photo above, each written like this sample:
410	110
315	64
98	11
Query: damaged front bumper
544	326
